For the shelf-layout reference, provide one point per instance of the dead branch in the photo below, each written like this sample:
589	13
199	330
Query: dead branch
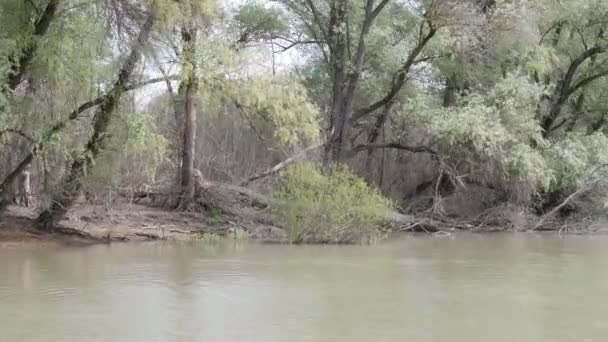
395	145
590	186
281	165
560	206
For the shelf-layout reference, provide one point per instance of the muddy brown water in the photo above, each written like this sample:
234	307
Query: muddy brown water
473	288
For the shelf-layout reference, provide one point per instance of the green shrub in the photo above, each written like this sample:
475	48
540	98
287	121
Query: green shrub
334	206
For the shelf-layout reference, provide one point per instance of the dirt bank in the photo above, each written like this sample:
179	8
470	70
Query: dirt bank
90	223
231	211
220	210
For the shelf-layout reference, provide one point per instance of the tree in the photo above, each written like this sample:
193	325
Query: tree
71	183
189	88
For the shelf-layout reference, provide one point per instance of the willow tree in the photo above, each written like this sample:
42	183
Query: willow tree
352	39
25	25
71	183
64	75
527	116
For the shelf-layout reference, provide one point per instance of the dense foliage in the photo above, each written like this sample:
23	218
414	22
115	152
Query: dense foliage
419	98
333	207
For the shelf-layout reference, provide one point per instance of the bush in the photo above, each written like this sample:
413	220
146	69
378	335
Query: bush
328	207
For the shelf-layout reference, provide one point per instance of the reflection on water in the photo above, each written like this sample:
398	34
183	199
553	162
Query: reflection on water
465	288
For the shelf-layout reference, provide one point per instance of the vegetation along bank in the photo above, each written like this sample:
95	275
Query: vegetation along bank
303	121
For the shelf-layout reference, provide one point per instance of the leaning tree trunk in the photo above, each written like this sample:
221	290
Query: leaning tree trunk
189	128
71	184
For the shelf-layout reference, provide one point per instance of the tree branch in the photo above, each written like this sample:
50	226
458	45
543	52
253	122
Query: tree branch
565	88
17	132
31	2
379	8
278	167
582	83
400	76
395	145
141	84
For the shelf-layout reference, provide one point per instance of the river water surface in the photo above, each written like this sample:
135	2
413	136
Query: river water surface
469	288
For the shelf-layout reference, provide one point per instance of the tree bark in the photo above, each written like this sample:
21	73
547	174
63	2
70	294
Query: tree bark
71	184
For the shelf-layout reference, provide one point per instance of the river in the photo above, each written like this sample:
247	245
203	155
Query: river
467	287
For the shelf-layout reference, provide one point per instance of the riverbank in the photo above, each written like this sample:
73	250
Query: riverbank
225	211
92	223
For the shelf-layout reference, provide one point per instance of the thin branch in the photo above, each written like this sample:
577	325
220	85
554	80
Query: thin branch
582	83
553	27
141	84
34	6
293	44
247	118
17	132
395	145
430	58
317	19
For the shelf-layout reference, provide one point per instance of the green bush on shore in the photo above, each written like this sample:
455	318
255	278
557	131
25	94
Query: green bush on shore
329	206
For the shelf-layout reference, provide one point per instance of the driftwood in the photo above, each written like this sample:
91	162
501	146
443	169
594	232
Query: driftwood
400	222
149	236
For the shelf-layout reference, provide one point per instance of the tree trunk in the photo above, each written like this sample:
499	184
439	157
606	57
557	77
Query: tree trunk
71	184
189	127
7	184
449	93
373	136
